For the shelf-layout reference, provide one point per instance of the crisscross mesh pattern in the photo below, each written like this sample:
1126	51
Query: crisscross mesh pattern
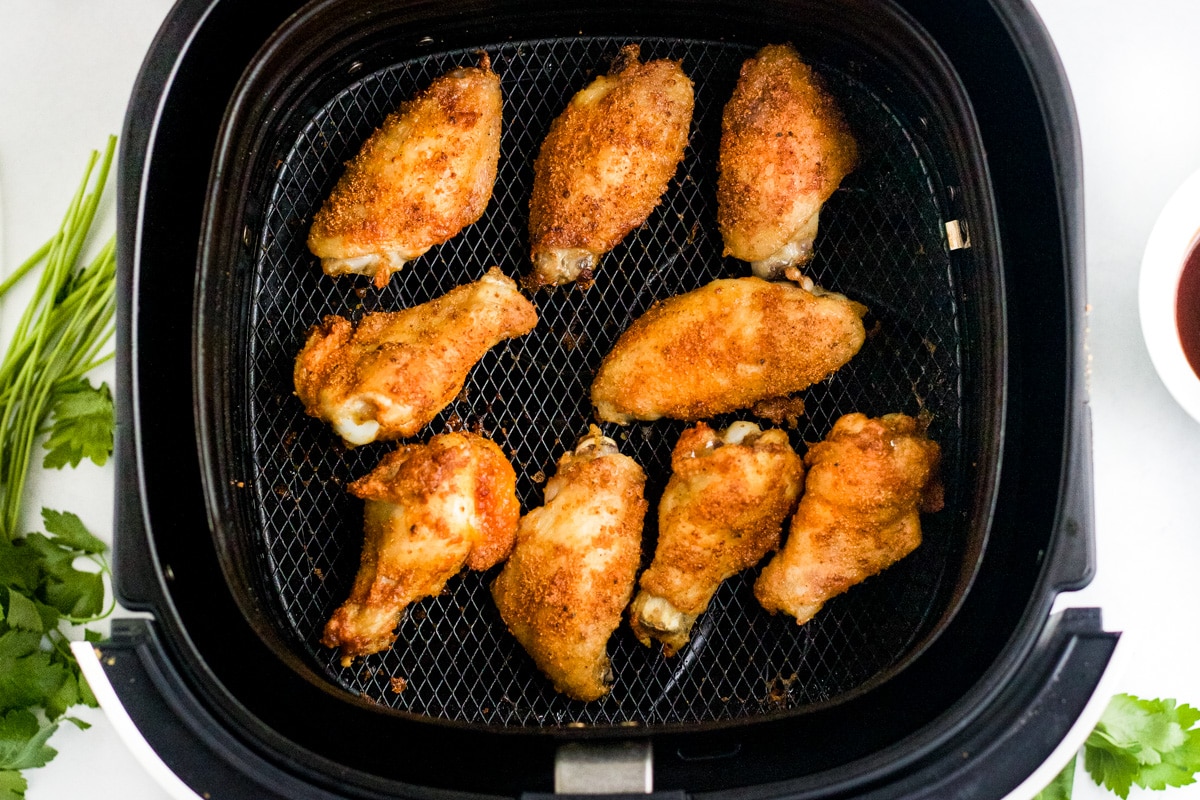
881	242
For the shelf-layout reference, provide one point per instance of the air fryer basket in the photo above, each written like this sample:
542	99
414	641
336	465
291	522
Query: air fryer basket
217	676
883	241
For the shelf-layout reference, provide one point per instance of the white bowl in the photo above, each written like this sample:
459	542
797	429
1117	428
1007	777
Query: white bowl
1174	235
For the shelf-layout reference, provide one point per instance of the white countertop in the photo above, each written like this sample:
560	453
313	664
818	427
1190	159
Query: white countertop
66	69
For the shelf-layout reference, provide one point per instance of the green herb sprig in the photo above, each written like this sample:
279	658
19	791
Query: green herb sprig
1148	743
54	580
60	337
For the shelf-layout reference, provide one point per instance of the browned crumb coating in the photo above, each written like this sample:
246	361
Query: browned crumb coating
431	509
571	573
722	511
725	346
605	164
785	148
867	482
387	377
424	175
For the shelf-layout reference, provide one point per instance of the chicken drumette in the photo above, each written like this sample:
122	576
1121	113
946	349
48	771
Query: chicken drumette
422	177
430	510
785	148
392	374
859	515
571	573
722	511
605	164
725	346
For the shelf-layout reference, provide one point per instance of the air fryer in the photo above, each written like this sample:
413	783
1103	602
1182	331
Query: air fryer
961	231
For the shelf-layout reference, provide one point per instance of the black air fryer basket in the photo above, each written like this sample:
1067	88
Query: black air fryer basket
960	230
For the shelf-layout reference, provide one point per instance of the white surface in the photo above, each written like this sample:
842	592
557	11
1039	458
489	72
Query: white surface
65	72
1171	240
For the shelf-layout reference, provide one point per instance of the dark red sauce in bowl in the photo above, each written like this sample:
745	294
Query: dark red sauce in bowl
1187	307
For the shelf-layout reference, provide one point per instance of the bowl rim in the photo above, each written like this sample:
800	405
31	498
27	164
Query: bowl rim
1176	232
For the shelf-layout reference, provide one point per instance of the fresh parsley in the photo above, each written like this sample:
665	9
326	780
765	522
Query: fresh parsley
50	581
1148	743
61	336
83	425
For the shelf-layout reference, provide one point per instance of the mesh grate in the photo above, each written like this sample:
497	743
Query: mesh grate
881	242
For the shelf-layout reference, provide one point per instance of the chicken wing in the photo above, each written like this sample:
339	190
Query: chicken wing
859	514
722	511
430	510
724	346
391	375
605	165
571	573
422	177
785	148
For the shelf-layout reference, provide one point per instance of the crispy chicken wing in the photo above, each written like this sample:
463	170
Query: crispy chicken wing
605	165
572	570
724	346
785	148
859	514
722	511
392	374
422	177
430	510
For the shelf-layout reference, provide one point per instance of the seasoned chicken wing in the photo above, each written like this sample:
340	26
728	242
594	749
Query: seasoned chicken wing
430	510
572	570
859	514
724	346
722	511
605	165
422	177
785	148
392	374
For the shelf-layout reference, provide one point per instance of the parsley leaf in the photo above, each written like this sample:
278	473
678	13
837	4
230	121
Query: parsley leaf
23	741
1061	787
12	785
83	425
1148	743
68	530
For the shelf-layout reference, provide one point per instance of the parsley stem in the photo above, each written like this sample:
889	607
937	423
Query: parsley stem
22	270
61	334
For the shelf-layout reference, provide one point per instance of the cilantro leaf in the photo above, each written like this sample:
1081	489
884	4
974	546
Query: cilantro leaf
68	530
83	425
1150	743
12	785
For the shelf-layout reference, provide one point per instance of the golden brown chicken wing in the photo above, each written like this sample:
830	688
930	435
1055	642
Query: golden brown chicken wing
724	346
422	177
859	514
430	510
605	165
785	148
571	572
391	375
722	511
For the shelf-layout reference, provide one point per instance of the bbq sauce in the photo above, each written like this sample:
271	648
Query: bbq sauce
1187	307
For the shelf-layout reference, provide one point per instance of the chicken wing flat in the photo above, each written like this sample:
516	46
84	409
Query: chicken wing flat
571	573
423	176
430	510
392	374
785	148
866	483
725	346
605	165
722	511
